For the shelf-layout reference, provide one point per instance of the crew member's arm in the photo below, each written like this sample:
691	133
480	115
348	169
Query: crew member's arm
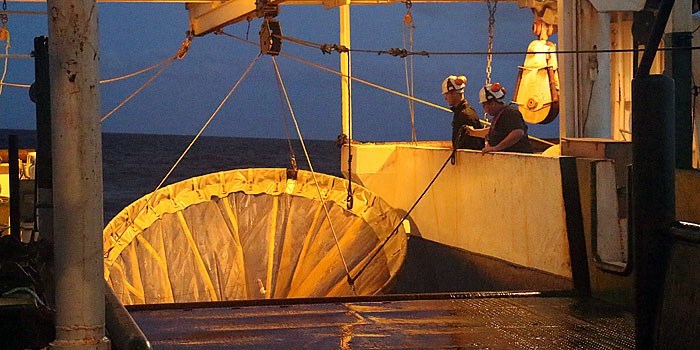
512	138
477	132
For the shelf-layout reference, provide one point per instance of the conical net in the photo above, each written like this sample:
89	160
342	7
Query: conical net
252	234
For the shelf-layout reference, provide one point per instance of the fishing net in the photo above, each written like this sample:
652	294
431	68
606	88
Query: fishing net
252	234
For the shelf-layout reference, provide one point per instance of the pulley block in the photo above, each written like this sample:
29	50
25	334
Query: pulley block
270	37
537	88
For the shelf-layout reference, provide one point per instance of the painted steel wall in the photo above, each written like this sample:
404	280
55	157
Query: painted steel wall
507	206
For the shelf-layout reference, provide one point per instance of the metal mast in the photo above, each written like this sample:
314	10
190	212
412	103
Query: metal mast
77	173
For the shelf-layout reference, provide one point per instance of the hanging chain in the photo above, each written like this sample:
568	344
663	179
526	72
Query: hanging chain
492	21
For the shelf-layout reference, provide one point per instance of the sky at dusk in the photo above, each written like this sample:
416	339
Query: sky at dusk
135	36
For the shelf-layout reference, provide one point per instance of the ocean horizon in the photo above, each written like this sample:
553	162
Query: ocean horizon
134	164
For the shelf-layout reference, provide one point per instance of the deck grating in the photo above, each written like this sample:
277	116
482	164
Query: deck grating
480	323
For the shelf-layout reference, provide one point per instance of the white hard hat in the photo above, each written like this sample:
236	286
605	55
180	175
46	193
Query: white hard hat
454	83
491	92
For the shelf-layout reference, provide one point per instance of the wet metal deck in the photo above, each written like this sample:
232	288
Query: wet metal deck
522	322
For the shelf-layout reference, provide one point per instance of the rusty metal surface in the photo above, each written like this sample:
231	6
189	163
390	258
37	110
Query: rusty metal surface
474	323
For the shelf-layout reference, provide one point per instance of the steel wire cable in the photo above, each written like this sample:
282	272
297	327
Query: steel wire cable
7	52
104	81
409	67
313	173
130	75
396	229
329	48
204	127
165	66
376	86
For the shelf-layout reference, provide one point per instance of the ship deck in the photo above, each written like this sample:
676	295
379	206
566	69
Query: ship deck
463	320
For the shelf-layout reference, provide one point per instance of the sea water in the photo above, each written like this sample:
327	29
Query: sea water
134	164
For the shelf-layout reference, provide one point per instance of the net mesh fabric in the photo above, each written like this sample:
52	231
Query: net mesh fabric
250	234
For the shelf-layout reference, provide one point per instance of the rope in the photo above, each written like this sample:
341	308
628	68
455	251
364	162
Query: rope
204	127
396	229
167	64
286	125
330	48
104	81
148	202
24	86
351	77
492	22
181	53
37	300
376	86
7	52
408	66
350	199
313	173
130	75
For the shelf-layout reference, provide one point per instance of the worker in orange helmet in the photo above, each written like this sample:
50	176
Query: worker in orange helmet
508	131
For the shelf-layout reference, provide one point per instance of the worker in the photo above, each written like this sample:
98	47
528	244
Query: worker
464	114
508	131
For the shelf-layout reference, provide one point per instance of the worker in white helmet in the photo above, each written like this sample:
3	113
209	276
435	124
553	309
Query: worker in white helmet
464	114
508	131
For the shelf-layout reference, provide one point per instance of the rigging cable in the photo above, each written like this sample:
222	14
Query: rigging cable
165	66
313	173
408	66
350	199
376	86
23	86
131	75
292	156
104	81
4	35
329	48
181	53
204	127
396	229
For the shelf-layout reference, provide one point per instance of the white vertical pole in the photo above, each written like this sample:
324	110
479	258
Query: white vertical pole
594	81
568	64
77	174
682	16
345	82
